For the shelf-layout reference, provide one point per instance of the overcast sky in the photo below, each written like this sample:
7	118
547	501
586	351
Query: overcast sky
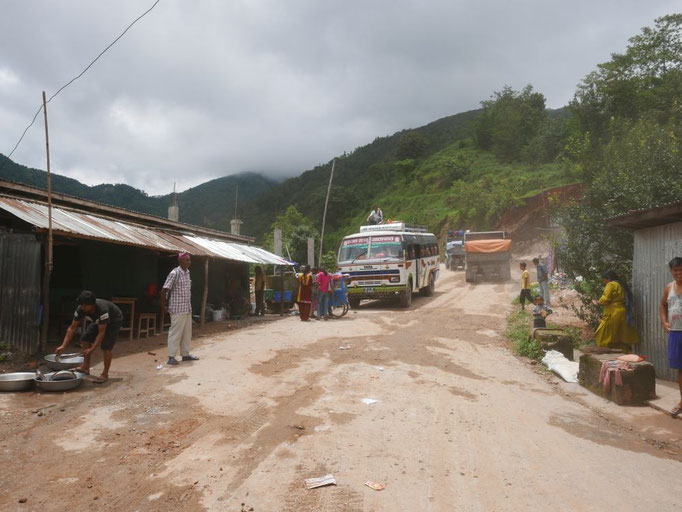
207	88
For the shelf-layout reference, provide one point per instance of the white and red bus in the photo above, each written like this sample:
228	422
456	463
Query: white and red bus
389	260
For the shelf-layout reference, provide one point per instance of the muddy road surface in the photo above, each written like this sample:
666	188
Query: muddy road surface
459	423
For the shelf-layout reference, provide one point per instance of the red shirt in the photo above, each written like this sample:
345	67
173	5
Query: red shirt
323	282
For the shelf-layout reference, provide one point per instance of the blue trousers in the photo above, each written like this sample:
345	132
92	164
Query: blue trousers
544	291
323	305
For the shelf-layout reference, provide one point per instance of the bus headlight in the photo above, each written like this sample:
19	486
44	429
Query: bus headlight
395	279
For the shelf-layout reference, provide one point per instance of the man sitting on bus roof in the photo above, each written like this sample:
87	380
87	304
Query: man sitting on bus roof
376	216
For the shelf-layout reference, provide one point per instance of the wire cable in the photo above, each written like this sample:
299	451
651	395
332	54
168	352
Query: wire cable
77	77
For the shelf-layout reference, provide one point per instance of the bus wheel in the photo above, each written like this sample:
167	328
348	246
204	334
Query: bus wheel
430	289
406	296
354	302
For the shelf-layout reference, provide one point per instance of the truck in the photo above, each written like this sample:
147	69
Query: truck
487	254
454	249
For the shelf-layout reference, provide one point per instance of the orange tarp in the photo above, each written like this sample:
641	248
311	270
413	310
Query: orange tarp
486	246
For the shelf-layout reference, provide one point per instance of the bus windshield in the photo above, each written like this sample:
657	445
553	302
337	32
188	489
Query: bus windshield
353	248
386	247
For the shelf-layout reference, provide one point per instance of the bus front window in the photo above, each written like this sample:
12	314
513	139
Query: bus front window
386	247
353	249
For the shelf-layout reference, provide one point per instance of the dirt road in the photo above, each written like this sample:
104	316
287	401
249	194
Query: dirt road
460	424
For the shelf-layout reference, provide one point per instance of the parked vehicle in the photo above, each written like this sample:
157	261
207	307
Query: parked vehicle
454	249
389	260
487	256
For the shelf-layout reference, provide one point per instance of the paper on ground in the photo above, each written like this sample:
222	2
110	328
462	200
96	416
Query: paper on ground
557	362
375	485
369	401
312	483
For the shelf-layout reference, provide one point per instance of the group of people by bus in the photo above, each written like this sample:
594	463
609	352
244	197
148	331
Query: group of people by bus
315	292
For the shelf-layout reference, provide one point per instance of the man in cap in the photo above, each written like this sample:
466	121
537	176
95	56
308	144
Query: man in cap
179	285
106	321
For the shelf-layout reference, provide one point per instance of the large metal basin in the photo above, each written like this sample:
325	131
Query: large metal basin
18	381
59	385
65	362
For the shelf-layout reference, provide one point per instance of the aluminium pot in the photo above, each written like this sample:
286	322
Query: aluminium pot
64	362
63	384
18	381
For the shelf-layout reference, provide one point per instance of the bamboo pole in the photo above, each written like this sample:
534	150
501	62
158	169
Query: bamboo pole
48	256
324	215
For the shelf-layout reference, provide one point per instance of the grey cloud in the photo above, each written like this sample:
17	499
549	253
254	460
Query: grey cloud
204	89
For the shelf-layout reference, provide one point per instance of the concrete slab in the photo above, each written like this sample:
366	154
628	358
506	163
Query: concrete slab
667	396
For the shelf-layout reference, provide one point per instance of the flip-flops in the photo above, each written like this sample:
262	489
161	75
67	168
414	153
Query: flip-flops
676	411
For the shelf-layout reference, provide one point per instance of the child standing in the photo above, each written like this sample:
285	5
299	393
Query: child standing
525	286
670	310
540	312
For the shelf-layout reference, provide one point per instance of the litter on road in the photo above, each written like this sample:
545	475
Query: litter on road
375	485
345	347
369	401
313	483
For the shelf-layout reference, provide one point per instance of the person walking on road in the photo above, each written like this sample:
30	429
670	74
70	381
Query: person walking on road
670	310
259	290
179	286
106	320
543	280
525	286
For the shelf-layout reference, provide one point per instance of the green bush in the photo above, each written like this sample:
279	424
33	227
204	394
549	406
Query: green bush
518	332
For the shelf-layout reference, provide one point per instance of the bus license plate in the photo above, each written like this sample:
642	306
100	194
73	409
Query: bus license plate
369	290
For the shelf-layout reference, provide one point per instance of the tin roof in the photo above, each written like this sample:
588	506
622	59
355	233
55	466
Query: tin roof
648	217
74	222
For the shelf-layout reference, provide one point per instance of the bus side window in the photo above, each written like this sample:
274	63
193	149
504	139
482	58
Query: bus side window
411	252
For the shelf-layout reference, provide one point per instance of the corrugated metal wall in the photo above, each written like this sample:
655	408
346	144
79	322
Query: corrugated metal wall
19	291
654	247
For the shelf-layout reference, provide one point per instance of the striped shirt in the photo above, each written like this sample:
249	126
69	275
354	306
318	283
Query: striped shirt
179	284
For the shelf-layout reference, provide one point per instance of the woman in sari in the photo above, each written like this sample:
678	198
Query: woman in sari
305	292
617	326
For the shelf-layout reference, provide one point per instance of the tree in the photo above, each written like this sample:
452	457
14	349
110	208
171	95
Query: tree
510	120
645	80
411	145
296	229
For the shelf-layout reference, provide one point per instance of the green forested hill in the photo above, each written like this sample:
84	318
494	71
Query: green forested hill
210	204
433	175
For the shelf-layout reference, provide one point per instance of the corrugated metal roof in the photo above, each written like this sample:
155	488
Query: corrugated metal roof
79	223
647	217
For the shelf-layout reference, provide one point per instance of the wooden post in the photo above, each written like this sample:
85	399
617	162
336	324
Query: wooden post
281	290
48	249
204	296
324	215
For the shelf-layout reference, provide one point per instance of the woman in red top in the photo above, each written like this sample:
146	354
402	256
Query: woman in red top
305	293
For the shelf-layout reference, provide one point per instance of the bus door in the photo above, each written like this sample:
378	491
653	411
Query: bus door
412	255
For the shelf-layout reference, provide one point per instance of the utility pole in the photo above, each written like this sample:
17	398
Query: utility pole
48	250
324	215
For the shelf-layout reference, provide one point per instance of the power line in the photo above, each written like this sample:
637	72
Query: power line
77	77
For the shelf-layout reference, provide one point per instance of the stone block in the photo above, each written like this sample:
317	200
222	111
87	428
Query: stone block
554	339
639	385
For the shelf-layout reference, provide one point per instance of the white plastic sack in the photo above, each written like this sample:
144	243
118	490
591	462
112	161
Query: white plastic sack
557	362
